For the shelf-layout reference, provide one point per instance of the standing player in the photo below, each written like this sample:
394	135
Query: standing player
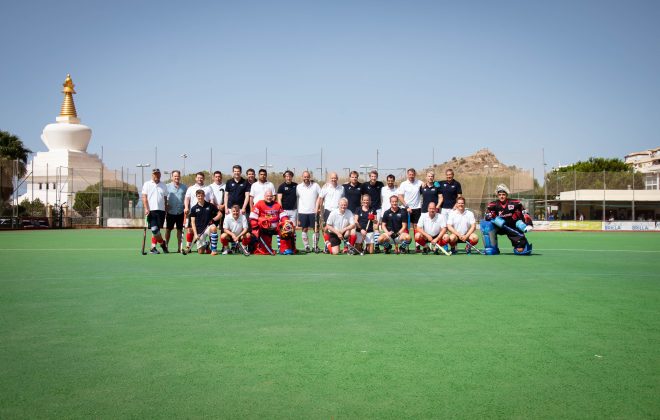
265	221
286	196
394	227
259	188
251	179
430	192
218	189
352	191
461	225
386	193
330	195
411	198
373	188
339	226
506	217
449	190
176	196
237	189
204	216
365	218
235	229
308	207
154	200
190	200
432	229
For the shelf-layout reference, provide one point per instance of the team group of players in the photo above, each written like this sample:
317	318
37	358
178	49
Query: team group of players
244	214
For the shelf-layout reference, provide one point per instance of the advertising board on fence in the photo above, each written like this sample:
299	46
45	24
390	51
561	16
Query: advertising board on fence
592	225
635	226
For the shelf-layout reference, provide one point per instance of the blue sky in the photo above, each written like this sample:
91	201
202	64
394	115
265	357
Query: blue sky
577	78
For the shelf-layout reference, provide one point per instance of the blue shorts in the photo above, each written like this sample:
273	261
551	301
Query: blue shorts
307	220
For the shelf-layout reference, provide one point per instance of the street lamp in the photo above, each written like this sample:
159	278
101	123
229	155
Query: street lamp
143	165
366	168
184	156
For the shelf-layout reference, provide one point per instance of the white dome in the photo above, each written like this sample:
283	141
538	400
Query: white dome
65	136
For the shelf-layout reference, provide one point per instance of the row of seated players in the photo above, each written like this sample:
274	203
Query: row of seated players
503	217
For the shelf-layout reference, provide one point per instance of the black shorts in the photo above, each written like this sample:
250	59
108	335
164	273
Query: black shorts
334	239
414	216
307	220
174	221
326	214
156	218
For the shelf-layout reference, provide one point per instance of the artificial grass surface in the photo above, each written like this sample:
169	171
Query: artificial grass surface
90	328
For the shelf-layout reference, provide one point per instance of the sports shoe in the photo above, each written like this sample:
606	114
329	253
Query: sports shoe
377	250
453	251
164	248
468	249
425	251
154	251
188	249
308	249
436	252
325	250
388	250
225	252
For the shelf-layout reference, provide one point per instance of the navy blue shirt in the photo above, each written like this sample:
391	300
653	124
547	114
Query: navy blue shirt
236	191
363	218
429	195
203	215
374	192
353	194
394	220
450	192
289	197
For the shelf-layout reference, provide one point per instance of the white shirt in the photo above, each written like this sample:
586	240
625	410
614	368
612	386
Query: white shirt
307	196
340	221
385	195
461	222
410	192
431	226
258	190
156	194
191	193
331	196
236	226
218	191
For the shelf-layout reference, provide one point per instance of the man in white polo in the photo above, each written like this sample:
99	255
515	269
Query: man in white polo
462	225
431	229
259	188
154	200
308	207
330	195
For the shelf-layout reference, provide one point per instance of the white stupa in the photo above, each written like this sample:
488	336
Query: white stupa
66	167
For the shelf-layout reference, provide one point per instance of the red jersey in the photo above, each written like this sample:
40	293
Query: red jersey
272	212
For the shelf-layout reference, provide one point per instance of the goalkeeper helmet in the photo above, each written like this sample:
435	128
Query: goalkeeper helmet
502	188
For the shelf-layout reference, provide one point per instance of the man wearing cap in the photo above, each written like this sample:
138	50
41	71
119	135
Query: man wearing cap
154	200
508	217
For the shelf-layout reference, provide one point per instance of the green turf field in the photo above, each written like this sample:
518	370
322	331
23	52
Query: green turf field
90	328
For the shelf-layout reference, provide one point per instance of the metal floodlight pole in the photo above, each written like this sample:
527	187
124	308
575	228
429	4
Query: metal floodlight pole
143	165
545	187
184	156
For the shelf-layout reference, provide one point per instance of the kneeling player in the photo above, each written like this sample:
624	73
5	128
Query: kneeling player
506	217
431	229
394	227
203	217
365	217
338	227
461	225
235	230
265	222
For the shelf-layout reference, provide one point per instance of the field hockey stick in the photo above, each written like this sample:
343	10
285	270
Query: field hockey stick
270	251
499	222
144	234
352	250
443	250
470	246
411	233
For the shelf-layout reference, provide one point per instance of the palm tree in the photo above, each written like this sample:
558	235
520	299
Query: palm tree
11	151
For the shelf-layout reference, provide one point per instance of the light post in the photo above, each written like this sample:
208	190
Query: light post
143	165
366	168
184	156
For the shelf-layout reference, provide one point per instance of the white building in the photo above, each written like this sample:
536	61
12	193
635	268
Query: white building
647	163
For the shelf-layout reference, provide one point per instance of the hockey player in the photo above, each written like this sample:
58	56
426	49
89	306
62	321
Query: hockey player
259	188
462	226
286	196
308	208
204	216
449	190
373	187
394	227
339	226
429	191
154	200
431	230
218	189
410	196
386	193
237	189
190	200
176	196
268	219
365	218
331	192
352	191
506	217
235	229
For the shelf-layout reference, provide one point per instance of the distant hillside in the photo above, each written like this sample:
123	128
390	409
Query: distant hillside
475	165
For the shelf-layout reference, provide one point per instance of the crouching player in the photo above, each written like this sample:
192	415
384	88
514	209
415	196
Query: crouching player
339	226
461	224
431	230
365	218
203	217
506	217
267	219
235	230
394	227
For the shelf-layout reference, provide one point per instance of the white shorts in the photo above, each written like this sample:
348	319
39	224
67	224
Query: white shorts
369	239
204	239
292	215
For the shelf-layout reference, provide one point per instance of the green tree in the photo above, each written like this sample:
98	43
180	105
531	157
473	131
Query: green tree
34	208
87	200
593	174
11	151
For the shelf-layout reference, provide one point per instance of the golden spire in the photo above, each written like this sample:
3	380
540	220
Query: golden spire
68	107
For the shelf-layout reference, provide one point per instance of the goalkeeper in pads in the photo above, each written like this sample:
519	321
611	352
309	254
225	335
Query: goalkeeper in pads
268	218
508	217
